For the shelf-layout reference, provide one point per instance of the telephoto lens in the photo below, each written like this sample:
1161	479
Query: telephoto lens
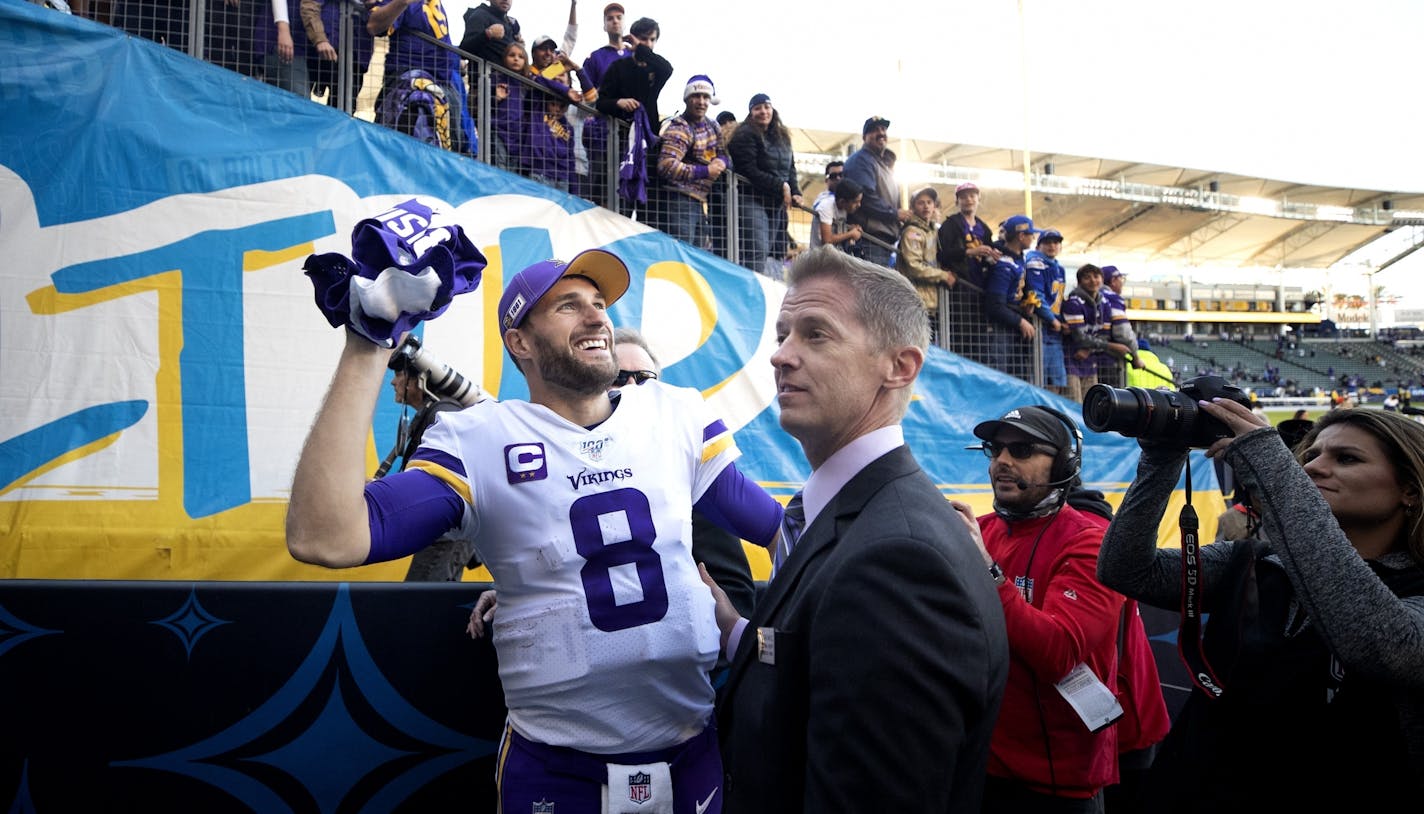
441	380
1168	416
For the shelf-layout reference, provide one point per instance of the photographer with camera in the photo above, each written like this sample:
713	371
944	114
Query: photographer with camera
423	382
1310	672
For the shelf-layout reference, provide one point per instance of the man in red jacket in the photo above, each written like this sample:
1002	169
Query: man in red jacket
1054	747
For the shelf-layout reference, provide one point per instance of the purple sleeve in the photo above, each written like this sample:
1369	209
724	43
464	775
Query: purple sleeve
408	511
741	507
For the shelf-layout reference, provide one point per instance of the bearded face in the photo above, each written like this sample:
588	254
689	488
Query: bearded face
559	366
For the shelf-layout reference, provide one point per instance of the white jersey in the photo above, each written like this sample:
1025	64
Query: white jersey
605	632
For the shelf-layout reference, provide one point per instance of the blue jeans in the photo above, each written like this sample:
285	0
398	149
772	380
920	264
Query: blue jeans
755	231
684	219
1054	372
290	76
874	254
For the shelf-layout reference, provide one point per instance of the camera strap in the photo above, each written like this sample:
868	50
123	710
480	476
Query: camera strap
402	438
1189	640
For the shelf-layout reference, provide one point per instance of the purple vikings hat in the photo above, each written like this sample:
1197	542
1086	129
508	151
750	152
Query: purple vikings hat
606	271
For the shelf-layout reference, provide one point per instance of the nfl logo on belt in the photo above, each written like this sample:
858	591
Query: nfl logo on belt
640	787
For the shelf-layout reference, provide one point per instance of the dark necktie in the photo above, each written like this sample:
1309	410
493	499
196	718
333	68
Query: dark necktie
793	522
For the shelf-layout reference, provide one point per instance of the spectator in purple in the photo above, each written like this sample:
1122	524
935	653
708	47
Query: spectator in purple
595	128
691	157
1087	318
508	112
1120	327
550	146
595	66
518	112
1044	276
398	20
1011	333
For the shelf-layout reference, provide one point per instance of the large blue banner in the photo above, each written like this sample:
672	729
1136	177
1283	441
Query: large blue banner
162	356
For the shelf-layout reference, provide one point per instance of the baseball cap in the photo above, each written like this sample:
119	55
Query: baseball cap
1111	273
1050	234
613	7
1018	224
543	40
759	99
606	271
967	186
1033	421
872	123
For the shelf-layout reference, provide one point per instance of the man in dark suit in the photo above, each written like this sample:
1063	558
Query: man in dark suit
870	675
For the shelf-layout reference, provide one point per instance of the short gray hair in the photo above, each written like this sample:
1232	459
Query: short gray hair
631	336
885	301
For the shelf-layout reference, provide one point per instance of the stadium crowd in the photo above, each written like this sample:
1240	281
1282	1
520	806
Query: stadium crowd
998	296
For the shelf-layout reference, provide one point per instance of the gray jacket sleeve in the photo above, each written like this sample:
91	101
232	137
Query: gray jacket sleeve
1130	561
1366	626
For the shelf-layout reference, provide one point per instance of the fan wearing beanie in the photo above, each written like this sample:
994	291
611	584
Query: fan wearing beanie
690	159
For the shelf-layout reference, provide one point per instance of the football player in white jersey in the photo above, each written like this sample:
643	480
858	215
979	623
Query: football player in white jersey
579	502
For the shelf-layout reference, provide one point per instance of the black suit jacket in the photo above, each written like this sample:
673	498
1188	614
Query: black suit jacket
890	661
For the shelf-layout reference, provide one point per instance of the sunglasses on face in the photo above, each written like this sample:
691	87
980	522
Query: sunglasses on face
1018	450
638	377
834	174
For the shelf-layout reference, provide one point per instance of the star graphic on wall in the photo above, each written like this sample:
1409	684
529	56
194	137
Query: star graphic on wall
190	622
14	632
337	701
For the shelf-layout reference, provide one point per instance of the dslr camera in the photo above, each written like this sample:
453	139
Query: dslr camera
1169	416
439	379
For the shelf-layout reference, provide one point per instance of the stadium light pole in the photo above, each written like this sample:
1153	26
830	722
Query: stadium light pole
1023	73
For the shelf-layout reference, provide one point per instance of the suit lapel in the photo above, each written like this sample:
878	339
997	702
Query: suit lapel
823	533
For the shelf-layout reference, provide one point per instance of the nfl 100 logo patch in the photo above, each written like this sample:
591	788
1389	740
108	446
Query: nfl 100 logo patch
594	448
543	807
640	787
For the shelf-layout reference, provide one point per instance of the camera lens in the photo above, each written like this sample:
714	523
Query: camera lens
1157	415
1111	409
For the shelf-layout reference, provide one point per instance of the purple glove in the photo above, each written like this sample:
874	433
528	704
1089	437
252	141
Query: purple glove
406	266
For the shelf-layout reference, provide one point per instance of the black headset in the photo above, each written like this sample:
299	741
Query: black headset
1068	463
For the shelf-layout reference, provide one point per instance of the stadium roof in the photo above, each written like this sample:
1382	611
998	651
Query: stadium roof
1144	212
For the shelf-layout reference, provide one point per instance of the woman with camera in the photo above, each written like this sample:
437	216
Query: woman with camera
1310	673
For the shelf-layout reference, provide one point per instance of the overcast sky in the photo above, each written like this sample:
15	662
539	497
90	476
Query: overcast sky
1297	90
